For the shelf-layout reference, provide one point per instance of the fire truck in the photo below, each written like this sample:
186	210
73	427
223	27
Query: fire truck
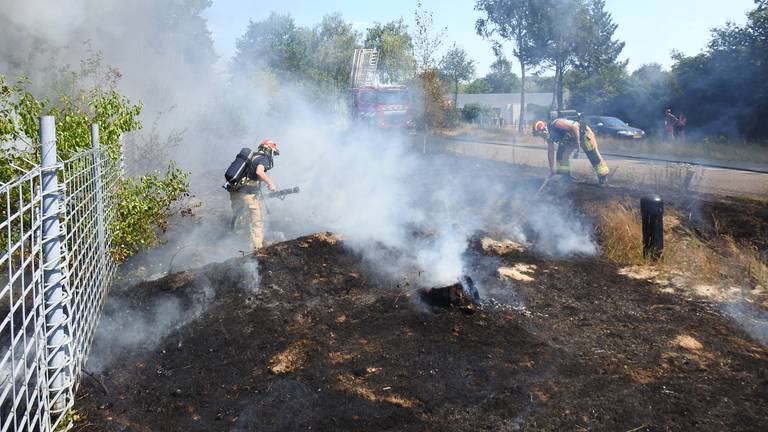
372	104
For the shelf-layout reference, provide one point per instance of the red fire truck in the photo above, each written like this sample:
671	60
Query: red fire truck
385	107
380	106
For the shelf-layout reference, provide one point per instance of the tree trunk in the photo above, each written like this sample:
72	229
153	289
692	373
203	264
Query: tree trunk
521	122
456	95
560	80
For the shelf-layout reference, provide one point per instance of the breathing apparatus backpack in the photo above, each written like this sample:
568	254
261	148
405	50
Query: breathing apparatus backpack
238	168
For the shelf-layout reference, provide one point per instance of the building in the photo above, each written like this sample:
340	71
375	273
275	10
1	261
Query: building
507	105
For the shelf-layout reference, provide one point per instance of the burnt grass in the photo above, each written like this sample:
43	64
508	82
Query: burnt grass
326	345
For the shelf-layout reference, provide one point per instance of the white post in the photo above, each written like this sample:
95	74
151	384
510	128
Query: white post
56	298
99	185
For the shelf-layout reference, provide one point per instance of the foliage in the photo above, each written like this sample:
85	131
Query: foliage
501	78
332	44
457	67
471	112
75	109
560	39
644	97
426	41
432	112
395	47
275	43
597	48
516	21
144	205
598	77
316	58
477	86
723	90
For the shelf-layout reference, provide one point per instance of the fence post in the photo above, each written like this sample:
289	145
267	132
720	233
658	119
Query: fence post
56	299
99	184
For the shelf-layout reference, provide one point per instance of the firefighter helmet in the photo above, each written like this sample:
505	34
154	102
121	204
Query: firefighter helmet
271	145
540	128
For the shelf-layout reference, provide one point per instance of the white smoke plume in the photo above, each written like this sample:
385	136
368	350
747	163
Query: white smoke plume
371	188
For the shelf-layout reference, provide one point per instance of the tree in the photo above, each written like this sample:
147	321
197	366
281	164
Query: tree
425	42
501	78
477	86
395	47
723	90
274	43
333	44
598	77
559	38
456	66
515	21
644	97
598	49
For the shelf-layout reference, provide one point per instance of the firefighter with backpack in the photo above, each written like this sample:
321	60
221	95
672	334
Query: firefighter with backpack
243	183
569	136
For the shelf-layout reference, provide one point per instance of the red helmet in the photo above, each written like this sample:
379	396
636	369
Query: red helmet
271	145
540	128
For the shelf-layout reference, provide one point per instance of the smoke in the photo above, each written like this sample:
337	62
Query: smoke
142	327
753	320
161	48
400	210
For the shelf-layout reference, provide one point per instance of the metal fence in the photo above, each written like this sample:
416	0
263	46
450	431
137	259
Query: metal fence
55	272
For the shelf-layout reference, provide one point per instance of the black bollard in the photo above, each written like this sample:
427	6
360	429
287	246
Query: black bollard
652	211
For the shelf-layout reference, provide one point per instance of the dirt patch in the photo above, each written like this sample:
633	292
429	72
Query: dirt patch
325	345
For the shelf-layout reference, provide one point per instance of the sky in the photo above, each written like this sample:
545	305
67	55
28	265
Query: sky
652	29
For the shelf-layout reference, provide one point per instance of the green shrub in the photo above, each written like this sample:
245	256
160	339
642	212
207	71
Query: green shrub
144	202
144	205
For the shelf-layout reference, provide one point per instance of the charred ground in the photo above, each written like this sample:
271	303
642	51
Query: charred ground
324	343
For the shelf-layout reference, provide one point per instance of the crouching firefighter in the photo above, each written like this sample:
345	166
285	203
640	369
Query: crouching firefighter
244	177
569	135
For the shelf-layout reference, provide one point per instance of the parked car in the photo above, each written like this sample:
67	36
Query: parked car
613	127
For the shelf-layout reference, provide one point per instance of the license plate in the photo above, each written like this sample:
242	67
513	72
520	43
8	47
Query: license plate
638	136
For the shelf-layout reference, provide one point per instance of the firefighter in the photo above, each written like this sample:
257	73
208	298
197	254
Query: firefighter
569	135
245	196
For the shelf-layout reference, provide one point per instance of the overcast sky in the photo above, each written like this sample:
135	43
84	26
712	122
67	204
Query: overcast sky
650	28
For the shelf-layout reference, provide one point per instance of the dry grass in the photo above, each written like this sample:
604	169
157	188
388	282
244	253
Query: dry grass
685	252
750	259
620	234
714	260
466	130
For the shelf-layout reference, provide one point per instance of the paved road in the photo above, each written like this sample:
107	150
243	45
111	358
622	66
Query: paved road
639	172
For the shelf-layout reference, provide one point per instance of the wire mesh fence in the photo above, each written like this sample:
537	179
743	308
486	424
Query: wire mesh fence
55	273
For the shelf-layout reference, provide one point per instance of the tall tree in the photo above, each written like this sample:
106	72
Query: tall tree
477	86
275	43
515	21
598	48
564	26
723	90
395	47
501	78
598	77
426	41
644	97
458	67
333	44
